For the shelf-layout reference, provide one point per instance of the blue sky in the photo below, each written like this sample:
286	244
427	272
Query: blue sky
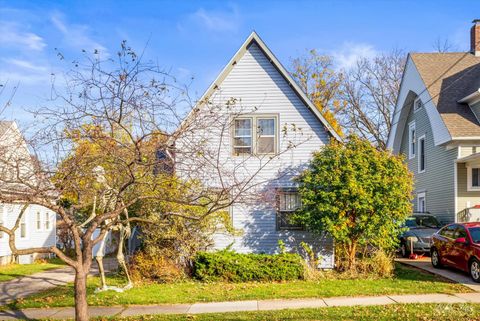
196	38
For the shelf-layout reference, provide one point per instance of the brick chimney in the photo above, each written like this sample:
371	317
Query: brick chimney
475	38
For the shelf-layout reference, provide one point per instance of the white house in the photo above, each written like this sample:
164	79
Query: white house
38	225
266	128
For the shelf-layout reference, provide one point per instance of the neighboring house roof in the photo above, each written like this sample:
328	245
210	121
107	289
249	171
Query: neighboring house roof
4	126
255	38
449	77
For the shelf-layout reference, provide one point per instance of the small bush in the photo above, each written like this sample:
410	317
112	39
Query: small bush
378	263
154	268
229	266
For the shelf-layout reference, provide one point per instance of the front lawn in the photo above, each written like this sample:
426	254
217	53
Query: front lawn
438	312
13	271
406	281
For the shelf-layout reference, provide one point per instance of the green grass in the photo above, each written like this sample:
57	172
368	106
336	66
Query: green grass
12	271
438	312
406	281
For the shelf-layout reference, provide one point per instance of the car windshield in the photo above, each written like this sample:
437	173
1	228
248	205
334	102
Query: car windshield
475	234
422	221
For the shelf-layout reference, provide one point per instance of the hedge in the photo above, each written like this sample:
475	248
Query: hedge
229	266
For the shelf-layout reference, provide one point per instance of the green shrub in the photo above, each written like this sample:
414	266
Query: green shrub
229	266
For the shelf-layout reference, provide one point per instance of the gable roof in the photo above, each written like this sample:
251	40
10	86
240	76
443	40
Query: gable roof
4	126
255	38
449	77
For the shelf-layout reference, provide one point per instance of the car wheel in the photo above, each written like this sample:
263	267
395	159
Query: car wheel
475	270
404	251
435	257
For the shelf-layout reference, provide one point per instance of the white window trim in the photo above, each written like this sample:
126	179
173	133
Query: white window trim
38	220
25	214
254	119
411	152
419	196
471	188
415	109
424	151
48	221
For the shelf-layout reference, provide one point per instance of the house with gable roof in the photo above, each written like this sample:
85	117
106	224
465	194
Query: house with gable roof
273	129
436	126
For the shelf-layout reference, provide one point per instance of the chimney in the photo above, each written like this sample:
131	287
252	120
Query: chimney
475	38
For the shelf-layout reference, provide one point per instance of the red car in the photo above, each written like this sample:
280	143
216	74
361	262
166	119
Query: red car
458	245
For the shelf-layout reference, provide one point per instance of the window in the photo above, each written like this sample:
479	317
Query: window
448	231
266	135
421	154
2	222
460	232
418	104
255	134
421	203
39	221
473	178
288	201
23	226
242	137
47	221
411	140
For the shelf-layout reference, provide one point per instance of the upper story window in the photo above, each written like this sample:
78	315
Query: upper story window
417	104
256	134
47	221
421	154
412	133
242	136
288	201
39	221
473	178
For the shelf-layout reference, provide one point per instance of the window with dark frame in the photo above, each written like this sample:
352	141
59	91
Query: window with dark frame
475	177
421	160
288	201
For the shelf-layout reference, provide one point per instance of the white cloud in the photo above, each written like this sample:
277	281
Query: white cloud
14	35
219	21
77	36
350	53
26	64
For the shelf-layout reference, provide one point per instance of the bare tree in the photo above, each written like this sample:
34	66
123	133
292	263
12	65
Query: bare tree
127	116
444	45
370	91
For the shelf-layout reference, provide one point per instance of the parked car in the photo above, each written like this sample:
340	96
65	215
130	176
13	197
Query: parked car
458	245
421	227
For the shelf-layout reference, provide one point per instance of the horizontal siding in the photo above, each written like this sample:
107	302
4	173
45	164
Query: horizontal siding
465	198
34	237
260	89
438	179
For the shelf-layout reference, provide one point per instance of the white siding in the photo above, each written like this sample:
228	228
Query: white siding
260	89
34	237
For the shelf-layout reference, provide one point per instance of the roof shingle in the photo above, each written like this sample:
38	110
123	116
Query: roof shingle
448	78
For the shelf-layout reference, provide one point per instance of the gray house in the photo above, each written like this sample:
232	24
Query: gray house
436	127
264	124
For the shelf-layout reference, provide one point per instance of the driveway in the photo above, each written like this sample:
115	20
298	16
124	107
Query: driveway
30	284
451	274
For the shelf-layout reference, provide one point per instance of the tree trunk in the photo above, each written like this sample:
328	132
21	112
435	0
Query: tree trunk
352	251
81	305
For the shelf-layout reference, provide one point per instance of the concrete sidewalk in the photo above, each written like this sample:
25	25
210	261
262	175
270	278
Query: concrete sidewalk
30	284
236	306
448	273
